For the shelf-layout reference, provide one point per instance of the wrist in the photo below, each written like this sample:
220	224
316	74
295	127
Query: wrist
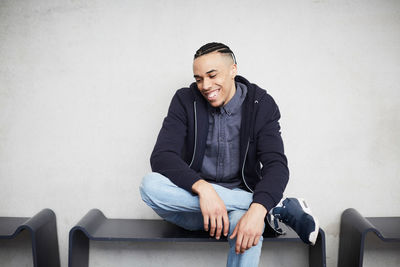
200	186
259	209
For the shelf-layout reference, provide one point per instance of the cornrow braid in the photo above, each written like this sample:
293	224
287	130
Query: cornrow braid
211	47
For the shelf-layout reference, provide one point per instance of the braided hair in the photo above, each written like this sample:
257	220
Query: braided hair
211	47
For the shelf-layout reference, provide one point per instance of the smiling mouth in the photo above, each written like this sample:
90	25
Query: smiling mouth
212	95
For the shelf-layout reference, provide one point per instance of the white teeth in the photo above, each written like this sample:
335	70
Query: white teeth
212	94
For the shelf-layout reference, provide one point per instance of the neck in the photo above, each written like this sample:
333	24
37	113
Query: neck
233	92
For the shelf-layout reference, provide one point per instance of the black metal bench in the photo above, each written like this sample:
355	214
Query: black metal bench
95	226
353	230
43	231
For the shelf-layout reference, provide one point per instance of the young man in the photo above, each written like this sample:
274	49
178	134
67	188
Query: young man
219	162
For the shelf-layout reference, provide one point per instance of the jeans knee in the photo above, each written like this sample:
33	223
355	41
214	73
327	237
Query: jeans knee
148	187
234	217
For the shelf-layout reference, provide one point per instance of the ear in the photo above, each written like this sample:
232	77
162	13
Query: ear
233	71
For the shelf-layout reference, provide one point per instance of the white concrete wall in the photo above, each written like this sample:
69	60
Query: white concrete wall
84	86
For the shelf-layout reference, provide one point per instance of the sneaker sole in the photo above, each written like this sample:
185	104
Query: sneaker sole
314	234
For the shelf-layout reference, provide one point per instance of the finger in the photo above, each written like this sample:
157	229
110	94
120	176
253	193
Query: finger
226	224
206	220
233	235
250	243
219	227
256	240
243	246
238	243
212	226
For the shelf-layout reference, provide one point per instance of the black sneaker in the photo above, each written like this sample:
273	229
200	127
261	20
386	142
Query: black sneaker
295	213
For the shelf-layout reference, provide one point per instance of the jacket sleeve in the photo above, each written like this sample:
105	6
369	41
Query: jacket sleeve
270	152
166	157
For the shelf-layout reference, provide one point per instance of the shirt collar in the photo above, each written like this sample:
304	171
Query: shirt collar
236	102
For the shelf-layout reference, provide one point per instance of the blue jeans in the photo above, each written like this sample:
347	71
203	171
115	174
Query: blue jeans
180	207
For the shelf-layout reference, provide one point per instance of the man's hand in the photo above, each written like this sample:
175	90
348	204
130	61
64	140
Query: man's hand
249	228
213	209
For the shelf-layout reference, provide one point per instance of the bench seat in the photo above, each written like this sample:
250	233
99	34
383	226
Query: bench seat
43	232
95	226
353	230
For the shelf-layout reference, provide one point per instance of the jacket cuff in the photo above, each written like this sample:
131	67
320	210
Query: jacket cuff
264	199
188	183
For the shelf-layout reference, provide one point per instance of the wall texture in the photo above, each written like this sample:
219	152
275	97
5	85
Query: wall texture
84	86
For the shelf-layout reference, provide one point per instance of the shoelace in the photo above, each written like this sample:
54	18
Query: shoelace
286	217
276	227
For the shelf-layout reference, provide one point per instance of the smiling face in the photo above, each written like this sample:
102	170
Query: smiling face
215	77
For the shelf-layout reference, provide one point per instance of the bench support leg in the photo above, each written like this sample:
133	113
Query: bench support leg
351	240
43	230
78	249
45	246
317	257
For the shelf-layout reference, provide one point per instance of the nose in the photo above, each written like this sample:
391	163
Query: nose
206	84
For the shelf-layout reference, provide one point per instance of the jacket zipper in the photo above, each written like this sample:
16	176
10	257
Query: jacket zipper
195	133
244	162
247	151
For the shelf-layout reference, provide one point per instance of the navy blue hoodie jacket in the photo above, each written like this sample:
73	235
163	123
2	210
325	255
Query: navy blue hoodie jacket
180	146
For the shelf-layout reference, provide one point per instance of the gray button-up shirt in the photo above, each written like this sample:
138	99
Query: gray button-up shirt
221	157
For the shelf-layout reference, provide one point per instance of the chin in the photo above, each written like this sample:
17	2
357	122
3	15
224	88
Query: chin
217	104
